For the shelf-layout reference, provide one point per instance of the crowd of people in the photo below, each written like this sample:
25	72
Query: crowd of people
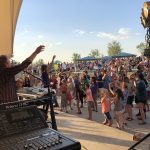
80	65
119	84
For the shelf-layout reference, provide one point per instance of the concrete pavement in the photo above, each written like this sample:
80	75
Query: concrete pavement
95	136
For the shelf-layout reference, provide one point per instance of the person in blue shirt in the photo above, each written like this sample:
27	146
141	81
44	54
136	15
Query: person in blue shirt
44	76
45	73
141	96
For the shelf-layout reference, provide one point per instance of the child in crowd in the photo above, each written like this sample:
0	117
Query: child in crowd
106	105
118	108
125	97
89	100
53	85
63	89
94	90
70	89
125	94
77	92
130	99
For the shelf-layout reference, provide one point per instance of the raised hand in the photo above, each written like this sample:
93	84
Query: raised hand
39	49
54	57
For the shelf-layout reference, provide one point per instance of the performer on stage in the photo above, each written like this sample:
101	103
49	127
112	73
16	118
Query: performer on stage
7	75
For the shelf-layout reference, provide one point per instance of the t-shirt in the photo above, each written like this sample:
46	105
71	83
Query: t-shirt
88	77
107	81
45	79
53	83
94	89
8	91
99	81
89	95
63	88
118	105
105	105
141	93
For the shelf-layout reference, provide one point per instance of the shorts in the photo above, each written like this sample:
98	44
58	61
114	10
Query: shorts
90	104
130	100
143	102
95	96
107	115
148	95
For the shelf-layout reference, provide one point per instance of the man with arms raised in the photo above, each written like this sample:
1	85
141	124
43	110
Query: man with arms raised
7	75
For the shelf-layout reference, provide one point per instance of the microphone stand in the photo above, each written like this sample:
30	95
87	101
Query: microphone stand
52	113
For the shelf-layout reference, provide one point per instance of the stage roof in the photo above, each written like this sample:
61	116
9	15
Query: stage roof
9	11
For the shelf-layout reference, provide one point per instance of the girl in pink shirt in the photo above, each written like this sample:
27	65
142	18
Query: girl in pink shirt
106	105
89	100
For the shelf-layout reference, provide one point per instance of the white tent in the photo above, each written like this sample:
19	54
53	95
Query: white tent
9	11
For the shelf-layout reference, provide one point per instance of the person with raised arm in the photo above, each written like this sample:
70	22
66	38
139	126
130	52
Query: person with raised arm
8	90
45	70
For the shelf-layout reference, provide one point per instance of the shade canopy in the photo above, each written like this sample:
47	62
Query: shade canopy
58	62
9	11
88	58
123	55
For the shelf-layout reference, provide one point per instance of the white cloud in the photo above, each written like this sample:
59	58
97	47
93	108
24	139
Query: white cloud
91	32
23	44
45	43
58	43
137	34
26	30
80	32
40	36
107	35
48	45
124	31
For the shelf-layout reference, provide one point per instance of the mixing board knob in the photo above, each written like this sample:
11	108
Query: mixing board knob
53	143
26	146
30	144
40	148
45	146
49	144
59	136
60	141
57	142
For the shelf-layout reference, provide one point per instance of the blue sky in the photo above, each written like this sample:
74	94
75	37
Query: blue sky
77	26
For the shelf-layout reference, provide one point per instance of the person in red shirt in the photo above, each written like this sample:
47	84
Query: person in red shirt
89	100
106	104
53	85
63	89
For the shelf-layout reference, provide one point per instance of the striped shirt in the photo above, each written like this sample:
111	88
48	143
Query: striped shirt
8	91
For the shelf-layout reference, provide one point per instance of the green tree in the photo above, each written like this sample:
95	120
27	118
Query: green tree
95	53
141	47
114	48
75	56
39	62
